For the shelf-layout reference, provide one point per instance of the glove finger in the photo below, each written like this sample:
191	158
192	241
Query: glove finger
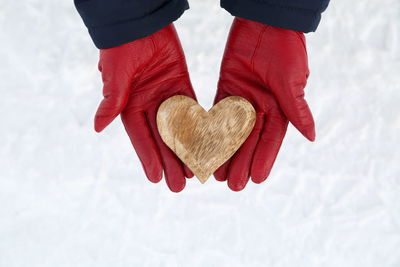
188	172
173	169
222	172
290	94
268	146
239	169
145	146
115	92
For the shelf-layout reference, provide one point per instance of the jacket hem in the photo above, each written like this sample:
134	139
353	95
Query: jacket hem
123	32
304	20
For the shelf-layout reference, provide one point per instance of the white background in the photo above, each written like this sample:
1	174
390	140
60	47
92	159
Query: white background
71	197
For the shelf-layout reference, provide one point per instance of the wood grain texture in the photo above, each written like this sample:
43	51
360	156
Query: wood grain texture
205	140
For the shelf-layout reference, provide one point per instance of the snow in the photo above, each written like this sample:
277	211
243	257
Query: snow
71	197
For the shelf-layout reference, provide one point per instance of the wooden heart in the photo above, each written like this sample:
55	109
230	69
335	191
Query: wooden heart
205	140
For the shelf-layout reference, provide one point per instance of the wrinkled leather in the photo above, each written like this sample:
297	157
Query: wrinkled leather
268	66
137	77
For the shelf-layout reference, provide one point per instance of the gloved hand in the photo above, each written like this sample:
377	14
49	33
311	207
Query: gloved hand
137	77
267	66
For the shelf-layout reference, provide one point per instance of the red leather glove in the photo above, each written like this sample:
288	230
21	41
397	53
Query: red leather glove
137	77
267	66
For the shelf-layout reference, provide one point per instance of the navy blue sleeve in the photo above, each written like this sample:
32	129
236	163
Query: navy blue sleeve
299	15
115	22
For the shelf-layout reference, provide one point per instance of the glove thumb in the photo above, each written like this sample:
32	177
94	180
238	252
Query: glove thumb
115	92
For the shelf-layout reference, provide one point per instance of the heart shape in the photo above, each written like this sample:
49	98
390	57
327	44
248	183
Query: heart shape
205	140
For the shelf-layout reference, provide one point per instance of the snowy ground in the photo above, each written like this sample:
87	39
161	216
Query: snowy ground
71	197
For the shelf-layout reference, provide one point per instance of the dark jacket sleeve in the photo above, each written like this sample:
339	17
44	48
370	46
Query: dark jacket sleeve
115	22
300	15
